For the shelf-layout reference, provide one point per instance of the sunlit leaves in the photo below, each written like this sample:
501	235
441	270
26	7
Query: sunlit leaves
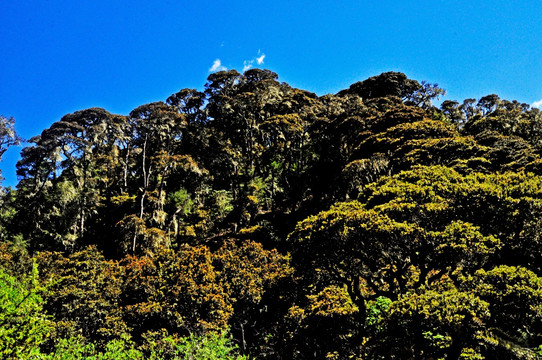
437	324
514	295
23	324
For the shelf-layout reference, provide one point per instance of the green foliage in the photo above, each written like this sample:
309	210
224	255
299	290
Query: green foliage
376	310
324	325
515	298
209	347
365	224
84	295
222	203
7	214
23	324
181	200
75	349
437	324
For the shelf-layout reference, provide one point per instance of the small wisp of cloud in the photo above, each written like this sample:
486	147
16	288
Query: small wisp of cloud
537	104
248	64
217	66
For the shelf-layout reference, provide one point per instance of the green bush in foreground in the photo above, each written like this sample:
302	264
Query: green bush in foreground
208	347
23	324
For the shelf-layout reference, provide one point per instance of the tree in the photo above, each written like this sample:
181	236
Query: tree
157	132
439	323
178	292
323	325
61	177
248	271
425	94
384	85
84	296
396	84
514	295
489	104
452	110
365	251
412	231
8	136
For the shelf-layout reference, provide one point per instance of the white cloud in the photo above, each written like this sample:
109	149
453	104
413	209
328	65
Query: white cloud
217	66
538	104
247	65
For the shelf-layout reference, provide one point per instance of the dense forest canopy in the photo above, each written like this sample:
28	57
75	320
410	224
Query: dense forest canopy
256	220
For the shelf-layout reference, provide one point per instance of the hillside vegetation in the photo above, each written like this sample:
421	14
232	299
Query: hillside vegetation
254	220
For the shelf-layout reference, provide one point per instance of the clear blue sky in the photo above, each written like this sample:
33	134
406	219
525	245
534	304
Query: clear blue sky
59	56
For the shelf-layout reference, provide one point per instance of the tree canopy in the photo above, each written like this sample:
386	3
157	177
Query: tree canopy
252	219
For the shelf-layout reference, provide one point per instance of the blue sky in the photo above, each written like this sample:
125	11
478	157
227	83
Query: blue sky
59	56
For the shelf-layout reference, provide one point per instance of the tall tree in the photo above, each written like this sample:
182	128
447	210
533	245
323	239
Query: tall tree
61	176
8	136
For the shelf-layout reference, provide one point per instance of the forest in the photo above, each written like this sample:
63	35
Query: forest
255	220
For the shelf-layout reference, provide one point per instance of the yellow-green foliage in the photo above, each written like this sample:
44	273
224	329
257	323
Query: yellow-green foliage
366	224
23	324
